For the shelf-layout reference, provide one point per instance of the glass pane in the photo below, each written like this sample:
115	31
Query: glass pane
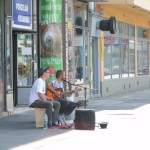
142	32
79	57
145	58
80	14
131	58
24	59
117	27
85	14
1	74
86	55
139	58
125	59
107	57
34	62
131	31
116	55
9	81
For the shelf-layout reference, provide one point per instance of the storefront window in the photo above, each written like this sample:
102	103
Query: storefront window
81	42
142	32
1	67
119	53
24	60
116	57
142	51
86	55
9	73
131	58
145	58
80	14
107	58
125	59
79	56
139	58
1	73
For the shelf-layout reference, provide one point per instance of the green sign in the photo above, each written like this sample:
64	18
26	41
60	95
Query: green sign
50	11
54	64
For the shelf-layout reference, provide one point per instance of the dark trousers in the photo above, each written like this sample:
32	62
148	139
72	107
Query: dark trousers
48	105
66	107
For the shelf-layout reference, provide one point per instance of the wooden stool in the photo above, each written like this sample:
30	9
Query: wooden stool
39	117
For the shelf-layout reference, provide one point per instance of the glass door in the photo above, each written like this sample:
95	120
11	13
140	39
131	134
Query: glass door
25	59
26	65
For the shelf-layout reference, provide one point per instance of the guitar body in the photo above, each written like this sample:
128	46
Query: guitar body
51	95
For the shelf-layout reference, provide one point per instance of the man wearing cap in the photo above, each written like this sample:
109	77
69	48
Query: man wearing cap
38	99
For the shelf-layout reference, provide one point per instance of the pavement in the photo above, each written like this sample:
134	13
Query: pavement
128	127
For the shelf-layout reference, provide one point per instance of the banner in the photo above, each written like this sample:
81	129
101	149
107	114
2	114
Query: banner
51	35
50	11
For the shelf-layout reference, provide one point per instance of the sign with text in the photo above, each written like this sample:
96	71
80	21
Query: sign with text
50	11
22	14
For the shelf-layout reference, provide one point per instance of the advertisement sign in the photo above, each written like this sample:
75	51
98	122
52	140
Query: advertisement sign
22	14
50	11
51	36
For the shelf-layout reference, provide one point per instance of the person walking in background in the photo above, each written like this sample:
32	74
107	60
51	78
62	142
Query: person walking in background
38	99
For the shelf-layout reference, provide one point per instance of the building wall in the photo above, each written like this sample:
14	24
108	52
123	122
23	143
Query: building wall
144	4
114	86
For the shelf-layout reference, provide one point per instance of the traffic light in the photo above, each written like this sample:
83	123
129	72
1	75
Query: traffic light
108	25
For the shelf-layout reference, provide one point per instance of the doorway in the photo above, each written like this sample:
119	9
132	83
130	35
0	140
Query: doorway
25	65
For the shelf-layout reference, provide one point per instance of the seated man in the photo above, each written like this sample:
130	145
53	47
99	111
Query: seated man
67	107
38	99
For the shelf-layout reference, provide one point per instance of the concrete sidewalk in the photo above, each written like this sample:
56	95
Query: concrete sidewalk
128	128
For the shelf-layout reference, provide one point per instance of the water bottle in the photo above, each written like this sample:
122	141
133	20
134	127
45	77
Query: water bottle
45	121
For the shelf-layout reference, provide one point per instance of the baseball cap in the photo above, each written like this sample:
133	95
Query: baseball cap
41	71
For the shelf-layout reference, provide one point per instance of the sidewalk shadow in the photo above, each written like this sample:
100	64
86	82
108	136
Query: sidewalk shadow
20	129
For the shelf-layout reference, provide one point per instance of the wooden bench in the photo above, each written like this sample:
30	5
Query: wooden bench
39	117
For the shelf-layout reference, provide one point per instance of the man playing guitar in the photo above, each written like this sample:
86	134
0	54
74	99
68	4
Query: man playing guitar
67	107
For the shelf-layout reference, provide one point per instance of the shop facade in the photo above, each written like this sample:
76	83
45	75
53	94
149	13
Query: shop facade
64	35
19	57
126	53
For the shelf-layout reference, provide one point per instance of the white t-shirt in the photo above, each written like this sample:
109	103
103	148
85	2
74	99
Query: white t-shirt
39	86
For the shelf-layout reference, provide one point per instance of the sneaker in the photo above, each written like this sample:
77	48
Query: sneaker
61	119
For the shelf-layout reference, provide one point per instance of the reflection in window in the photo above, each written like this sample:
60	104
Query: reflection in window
24	59
1	66
119	52
131	58
79	56
125	59
142	58
142	32
81	42
107	56
80	14
9	81
115	58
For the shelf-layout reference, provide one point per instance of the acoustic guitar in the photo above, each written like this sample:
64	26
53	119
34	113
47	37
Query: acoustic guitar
52	96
